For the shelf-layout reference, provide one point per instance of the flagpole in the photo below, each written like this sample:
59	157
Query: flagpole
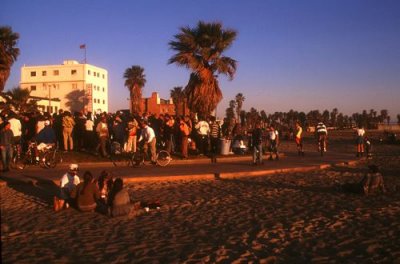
83	46
85	54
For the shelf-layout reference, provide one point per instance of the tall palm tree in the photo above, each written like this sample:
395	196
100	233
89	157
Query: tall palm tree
8	53
135	79
201	49
178	98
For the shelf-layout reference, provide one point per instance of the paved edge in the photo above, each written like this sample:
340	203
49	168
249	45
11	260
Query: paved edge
218	175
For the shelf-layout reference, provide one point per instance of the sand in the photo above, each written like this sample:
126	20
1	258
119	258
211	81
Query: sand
279	218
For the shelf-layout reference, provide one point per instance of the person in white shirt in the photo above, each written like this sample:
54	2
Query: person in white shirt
203	130
15	128
360	132
274	142
322	134
68	183
149	140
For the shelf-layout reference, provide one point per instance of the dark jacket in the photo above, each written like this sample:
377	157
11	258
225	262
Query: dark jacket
46	135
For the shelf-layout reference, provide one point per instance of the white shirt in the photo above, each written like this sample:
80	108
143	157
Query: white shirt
89	125
15	127
203	128
360	132
69	181
273	134
147	134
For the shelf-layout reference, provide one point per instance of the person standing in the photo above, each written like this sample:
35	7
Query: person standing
322	134
274	142
203	130
6	141
68	124
103	134
132	135
89	134
299	139
257	140
184	129
360	132
215	134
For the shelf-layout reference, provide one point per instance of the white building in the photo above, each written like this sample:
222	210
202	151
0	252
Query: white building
77	86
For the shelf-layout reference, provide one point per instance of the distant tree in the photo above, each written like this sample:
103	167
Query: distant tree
20	100
178	97
334	114
135	79
252	117
230	111
201	49
8	53
239	104
76	100
398	119
383	116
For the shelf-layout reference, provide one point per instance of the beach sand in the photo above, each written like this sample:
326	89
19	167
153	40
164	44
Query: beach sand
280	218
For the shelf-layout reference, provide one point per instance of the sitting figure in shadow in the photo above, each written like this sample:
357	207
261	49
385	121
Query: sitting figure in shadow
86	194
120	203
371	183
105	183
69	181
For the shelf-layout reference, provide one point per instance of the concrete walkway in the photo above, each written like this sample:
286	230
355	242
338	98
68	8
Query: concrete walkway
199	168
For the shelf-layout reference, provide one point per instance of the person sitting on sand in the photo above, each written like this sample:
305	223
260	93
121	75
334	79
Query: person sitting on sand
120	202
68	183
86	193
105	183
371	183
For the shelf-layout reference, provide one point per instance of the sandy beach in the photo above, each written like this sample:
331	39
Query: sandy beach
280	218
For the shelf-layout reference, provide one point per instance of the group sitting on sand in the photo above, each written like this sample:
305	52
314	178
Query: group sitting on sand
104	194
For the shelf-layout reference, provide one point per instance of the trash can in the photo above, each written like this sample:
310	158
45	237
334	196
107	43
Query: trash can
225	145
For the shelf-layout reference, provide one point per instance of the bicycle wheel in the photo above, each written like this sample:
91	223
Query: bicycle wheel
17	162
163	158
51	159
137	159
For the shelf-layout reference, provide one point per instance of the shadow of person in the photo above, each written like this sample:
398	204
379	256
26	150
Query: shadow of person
39	190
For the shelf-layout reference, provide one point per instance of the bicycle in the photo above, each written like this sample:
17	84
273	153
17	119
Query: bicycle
136	159
48	158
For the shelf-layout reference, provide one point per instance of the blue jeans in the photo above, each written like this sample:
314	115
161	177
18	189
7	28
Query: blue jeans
257	153
6	155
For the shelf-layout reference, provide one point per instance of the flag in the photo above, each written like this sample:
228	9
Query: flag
83	46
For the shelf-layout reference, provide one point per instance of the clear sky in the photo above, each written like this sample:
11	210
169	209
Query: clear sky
300	55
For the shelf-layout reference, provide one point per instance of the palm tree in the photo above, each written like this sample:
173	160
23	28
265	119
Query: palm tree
135	81
18	98
178	98
200	49
8	53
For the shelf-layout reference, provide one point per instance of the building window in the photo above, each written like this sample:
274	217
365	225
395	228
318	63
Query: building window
104	101
94	74
33	74
44	73
56	72
103	89
98	74
73	72
74	86
33	87
88	72
104	76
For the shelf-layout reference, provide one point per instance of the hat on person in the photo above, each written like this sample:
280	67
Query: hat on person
47	122
73	167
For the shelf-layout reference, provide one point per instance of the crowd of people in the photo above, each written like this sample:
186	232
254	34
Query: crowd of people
106	133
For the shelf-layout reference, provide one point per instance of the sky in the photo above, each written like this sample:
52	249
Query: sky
300	55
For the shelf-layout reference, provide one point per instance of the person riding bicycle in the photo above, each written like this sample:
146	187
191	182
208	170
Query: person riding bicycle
322	134
46	137
149	138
